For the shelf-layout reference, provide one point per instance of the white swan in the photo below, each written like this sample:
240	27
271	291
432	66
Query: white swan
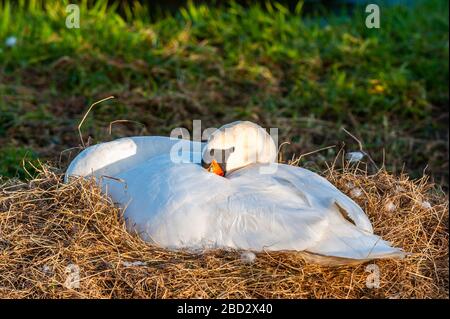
258	205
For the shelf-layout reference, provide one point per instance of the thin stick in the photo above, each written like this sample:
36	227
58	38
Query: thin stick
86	114
357	140
361	148
282	144
306	154
280	157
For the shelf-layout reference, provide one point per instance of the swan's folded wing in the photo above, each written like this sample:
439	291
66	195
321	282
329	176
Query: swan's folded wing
266	219
162	200
313	196
321	193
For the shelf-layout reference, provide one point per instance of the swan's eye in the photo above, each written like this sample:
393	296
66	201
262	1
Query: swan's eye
211	152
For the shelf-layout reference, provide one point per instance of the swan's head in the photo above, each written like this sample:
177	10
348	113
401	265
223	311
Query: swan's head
237	145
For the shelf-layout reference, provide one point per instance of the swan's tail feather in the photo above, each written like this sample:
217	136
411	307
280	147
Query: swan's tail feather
359	250
345	240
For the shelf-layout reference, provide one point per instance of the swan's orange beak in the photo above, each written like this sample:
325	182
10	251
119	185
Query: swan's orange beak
215	168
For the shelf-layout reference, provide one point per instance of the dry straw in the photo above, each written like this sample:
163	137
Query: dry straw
50	230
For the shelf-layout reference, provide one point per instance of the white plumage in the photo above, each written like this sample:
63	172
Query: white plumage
182	205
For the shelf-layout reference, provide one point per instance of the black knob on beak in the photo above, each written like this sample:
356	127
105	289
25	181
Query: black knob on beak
205	165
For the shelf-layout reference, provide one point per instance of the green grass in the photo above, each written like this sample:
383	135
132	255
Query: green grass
19	162
308	75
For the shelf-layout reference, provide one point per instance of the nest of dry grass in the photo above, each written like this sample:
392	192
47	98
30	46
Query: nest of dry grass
50	231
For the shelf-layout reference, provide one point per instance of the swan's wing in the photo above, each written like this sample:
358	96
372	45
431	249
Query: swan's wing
341	238
169	204
112	158
266	217
321	193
